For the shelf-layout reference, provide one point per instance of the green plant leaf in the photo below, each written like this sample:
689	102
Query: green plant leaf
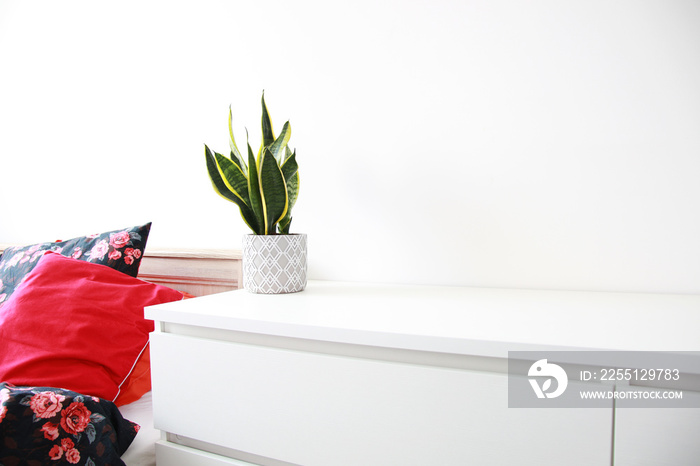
224	191
290	171
233	177
235	153
289	166
278	147
254	194
215	177
268	135
293	190
274	191
284	225
249	218
239	164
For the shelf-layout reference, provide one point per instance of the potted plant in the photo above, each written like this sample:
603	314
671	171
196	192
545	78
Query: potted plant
265	188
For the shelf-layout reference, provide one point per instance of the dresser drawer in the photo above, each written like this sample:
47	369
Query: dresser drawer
658	436
169	454
326	410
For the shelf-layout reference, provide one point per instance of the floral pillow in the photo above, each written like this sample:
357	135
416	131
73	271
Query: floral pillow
119	249
41	425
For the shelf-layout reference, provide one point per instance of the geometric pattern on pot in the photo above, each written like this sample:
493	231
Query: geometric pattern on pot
274	264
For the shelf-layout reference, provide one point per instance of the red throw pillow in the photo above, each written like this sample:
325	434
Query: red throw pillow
76	325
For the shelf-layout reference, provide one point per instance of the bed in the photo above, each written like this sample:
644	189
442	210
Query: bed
86	296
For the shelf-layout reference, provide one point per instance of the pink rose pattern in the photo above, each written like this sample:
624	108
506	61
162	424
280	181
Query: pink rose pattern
98	251
46	404
50	430
119	240
75	429
75	418
120	250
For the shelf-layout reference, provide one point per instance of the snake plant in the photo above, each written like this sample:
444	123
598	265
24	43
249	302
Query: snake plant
266	187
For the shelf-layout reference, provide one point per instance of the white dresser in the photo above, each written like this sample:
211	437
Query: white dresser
366	374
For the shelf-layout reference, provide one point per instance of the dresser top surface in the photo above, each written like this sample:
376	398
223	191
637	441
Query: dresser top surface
479	321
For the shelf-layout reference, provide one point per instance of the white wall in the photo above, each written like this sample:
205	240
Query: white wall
493	143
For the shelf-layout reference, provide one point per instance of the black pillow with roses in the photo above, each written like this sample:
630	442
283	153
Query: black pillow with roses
121	250
42	425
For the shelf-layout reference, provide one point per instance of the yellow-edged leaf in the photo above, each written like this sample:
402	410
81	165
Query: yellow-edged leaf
267	132
278	147
254	194
273	188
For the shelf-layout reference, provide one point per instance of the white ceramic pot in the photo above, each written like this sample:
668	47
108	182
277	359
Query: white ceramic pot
274	264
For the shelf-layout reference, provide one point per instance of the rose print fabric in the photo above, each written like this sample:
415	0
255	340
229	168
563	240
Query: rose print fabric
46	426
120	249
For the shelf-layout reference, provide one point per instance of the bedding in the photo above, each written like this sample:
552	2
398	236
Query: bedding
73	338
60	306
